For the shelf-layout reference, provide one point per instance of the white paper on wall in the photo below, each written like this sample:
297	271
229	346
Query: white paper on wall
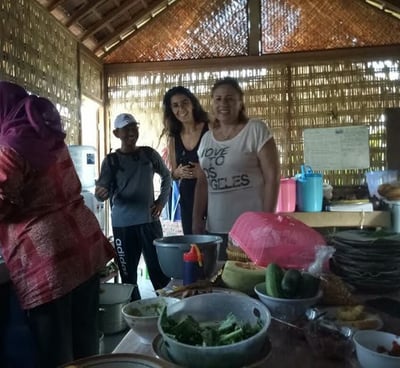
337	148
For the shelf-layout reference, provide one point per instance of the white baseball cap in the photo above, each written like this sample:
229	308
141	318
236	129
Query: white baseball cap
123	120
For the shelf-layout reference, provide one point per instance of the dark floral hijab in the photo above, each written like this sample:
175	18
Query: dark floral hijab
29	124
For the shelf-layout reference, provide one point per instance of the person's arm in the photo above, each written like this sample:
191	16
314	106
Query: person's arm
200	203
270	167
172	157
180	171
161	169
101	190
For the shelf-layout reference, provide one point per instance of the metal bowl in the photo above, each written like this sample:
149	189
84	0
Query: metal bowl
216	307
170	251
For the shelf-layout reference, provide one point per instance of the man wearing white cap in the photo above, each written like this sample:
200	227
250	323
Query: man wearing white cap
126	178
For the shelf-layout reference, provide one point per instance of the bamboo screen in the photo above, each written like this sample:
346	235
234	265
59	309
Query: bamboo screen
189	29
38	53
289	98
305	25
91	77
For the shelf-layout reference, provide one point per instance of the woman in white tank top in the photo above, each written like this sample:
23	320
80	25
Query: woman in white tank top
240	164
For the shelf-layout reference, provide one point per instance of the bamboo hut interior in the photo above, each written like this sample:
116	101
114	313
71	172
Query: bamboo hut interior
302	64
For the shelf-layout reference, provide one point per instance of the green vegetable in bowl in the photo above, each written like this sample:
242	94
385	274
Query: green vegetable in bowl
152	310
213	333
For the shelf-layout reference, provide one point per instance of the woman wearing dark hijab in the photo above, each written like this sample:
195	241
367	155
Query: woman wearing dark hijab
51	242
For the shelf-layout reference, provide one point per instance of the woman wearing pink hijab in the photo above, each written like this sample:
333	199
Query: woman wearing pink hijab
51	242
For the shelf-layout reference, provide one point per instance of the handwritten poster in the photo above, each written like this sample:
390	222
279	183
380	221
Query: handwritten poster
337	148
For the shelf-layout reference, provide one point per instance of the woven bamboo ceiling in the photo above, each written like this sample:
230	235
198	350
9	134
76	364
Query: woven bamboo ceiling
104	26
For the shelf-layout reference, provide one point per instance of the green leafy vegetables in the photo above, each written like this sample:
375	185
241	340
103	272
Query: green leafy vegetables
151	310
215	333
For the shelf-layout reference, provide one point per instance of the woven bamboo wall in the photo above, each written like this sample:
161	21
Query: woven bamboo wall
38	53
91	76
289	97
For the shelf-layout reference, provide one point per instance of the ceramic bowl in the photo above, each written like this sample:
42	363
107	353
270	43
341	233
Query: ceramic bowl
142	316
372	349
288	310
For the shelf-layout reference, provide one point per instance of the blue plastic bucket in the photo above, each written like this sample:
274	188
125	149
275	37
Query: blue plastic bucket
309	191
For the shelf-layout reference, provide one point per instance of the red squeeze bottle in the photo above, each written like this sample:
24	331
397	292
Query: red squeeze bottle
192	265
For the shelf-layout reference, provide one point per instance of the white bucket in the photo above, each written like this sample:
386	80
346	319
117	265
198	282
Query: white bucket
111	300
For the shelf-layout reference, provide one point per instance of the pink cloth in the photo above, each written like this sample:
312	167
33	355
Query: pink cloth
29	124
50	240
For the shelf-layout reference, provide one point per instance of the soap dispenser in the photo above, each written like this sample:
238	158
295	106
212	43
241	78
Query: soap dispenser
192	265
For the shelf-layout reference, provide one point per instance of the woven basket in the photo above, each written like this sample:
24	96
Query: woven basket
235	253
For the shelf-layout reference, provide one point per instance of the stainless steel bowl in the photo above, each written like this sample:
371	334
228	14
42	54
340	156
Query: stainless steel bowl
170	251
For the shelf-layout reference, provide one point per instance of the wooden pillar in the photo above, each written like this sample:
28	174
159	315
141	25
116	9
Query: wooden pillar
254	14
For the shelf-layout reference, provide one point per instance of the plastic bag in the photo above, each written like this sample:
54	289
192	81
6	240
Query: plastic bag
269	237
321	262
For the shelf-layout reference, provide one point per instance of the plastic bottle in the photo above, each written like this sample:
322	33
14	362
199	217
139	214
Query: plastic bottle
192	265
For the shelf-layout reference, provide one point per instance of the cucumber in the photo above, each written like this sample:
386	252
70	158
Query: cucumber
309	285
273	279
290	283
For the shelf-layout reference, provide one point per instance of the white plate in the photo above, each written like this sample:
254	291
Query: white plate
119	361
374	320
161	352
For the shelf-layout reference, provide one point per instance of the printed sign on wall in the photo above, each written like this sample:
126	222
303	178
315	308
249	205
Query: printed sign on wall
337	148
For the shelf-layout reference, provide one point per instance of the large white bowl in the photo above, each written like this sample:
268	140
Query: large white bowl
212	308
288	310
367	343
142	316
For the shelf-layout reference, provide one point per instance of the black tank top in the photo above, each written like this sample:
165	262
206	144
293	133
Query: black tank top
183	155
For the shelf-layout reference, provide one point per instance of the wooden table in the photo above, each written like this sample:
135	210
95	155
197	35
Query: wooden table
344	219
289	347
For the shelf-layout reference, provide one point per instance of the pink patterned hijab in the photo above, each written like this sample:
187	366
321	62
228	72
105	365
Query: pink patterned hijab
30	125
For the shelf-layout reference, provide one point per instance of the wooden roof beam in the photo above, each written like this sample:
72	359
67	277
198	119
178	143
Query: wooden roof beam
254	13
387	6
54	5
110	16
82	11
128	26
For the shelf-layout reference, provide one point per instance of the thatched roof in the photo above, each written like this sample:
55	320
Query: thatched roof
125	31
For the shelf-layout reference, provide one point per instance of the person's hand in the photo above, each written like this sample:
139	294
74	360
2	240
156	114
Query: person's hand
195	169
185	171
101	193
156	209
